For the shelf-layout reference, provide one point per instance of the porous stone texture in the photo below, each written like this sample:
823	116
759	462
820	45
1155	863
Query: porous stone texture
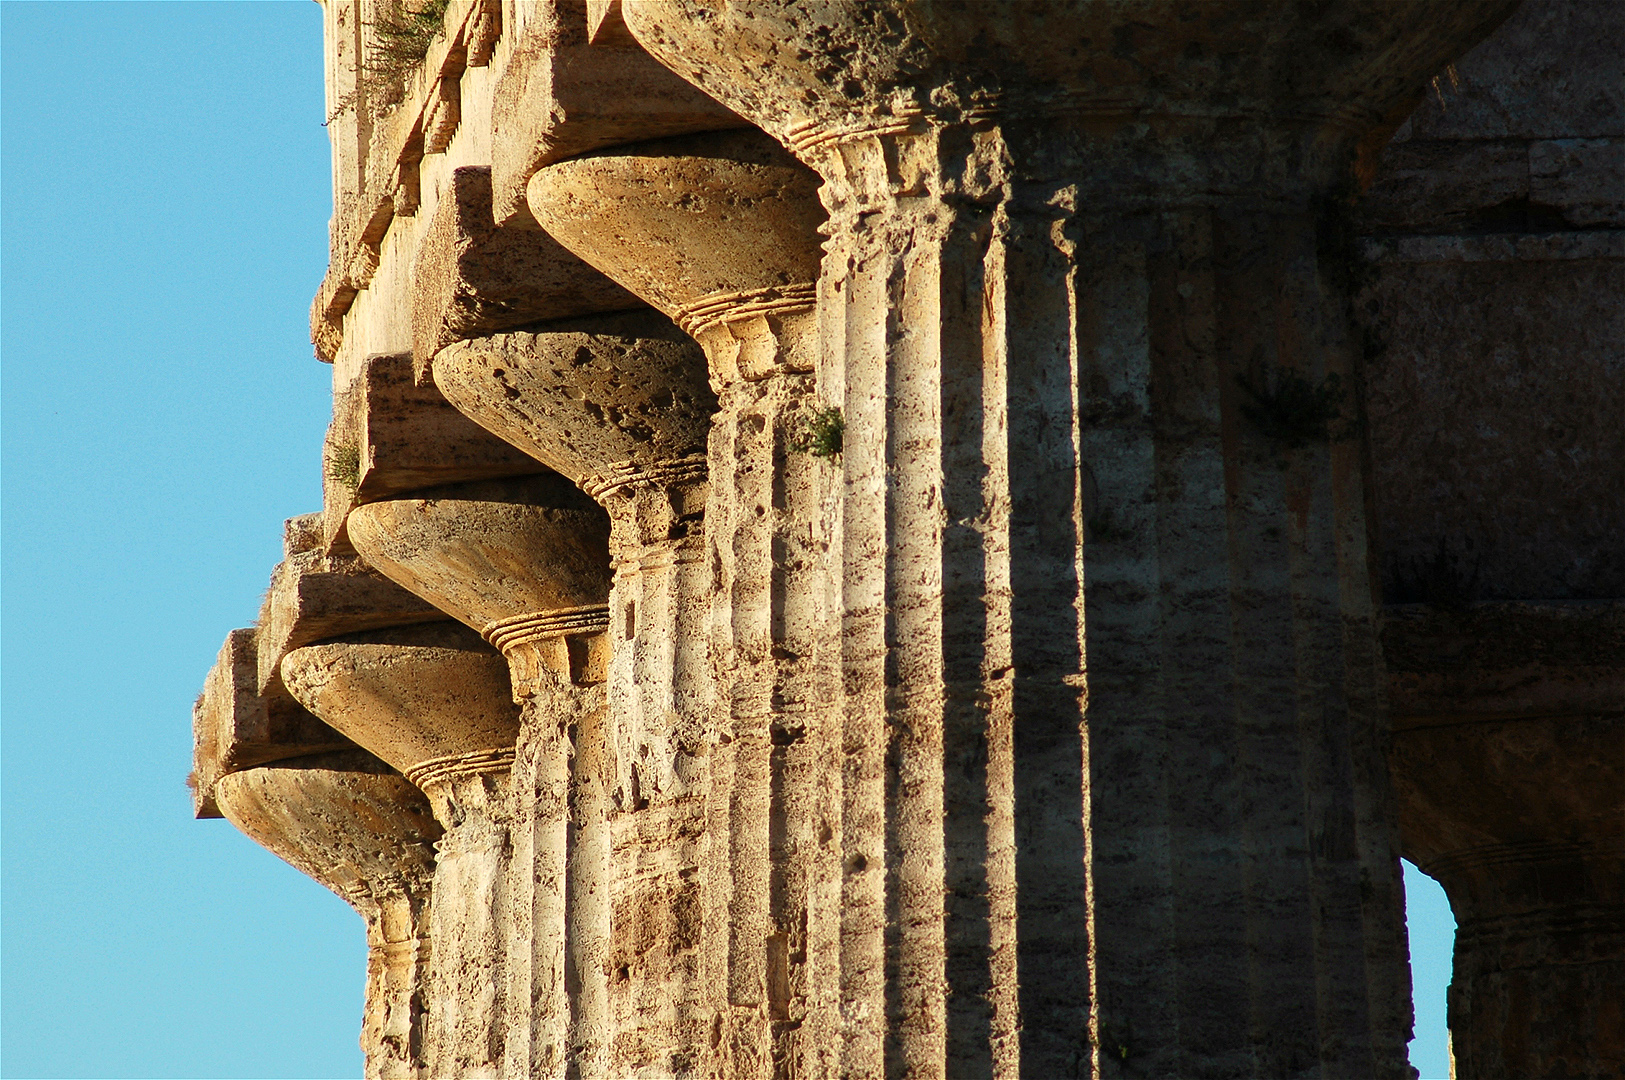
391	434
234	727
473	278
992	527
355	825
434	702
316	594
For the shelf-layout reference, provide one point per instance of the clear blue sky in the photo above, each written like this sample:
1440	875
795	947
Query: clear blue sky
165	200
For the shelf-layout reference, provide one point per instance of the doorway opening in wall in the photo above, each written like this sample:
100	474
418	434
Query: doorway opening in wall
1432	930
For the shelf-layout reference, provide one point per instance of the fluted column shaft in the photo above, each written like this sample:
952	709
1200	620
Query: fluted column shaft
1109	594
1117	801
659	736
618	403
717	231
770	515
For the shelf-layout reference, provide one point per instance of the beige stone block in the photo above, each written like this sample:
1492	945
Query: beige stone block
235	727
391	434
574	84
1493	398
1584	179
1504	661
315	595
474	278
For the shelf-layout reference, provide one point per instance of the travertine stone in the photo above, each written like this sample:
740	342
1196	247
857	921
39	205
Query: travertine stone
391	434
434	701
316	594
473	278
969	665
234	727
524	562
1050	262
1489	304
567	91
527	563
719	231
619	404
1492	396
354	825
600	399
416	696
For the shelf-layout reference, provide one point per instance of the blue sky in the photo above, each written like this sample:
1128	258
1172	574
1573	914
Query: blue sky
165	194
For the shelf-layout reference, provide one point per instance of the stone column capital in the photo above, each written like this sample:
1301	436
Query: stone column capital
718	231
431	700
822	76
493	555
611	401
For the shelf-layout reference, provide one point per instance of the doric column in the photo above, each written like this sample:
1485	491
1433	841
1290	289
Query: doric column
619	404
1509	773
1115	790
353	824
719	232
433	701
527	564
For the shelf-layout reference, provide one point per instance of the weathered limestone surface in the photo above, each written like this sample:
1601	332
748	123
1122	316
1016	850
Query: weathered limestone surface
356	826
234	727
1493	269
1035	316
434	702
620	406
390	434
527	564
722	241
946	635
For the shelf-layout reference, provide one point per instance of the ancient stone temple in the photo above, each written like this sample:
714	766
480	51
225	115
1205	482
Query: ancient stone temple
877	538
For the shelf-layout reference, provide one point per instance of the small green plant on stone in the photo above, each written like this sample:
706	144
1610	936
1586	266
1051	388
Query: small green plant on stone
345	465
823	435
403	33
398	41
1292	410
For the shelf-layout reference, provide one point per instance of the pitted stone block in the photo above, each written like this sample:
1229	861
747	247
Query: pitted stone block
235	727
474	278
392	434
577	82
316	595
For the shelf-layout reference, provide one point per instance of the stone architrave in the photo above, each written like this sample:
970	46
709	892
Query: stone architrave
619	405
577	81
526	563
434	702
234	727
1113	695
719	231
391	434
316	594
472	278
349	821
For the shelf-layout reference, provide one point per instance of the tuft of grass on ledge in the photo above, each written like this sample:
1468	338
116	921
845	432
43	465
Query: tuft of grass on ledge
823	435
